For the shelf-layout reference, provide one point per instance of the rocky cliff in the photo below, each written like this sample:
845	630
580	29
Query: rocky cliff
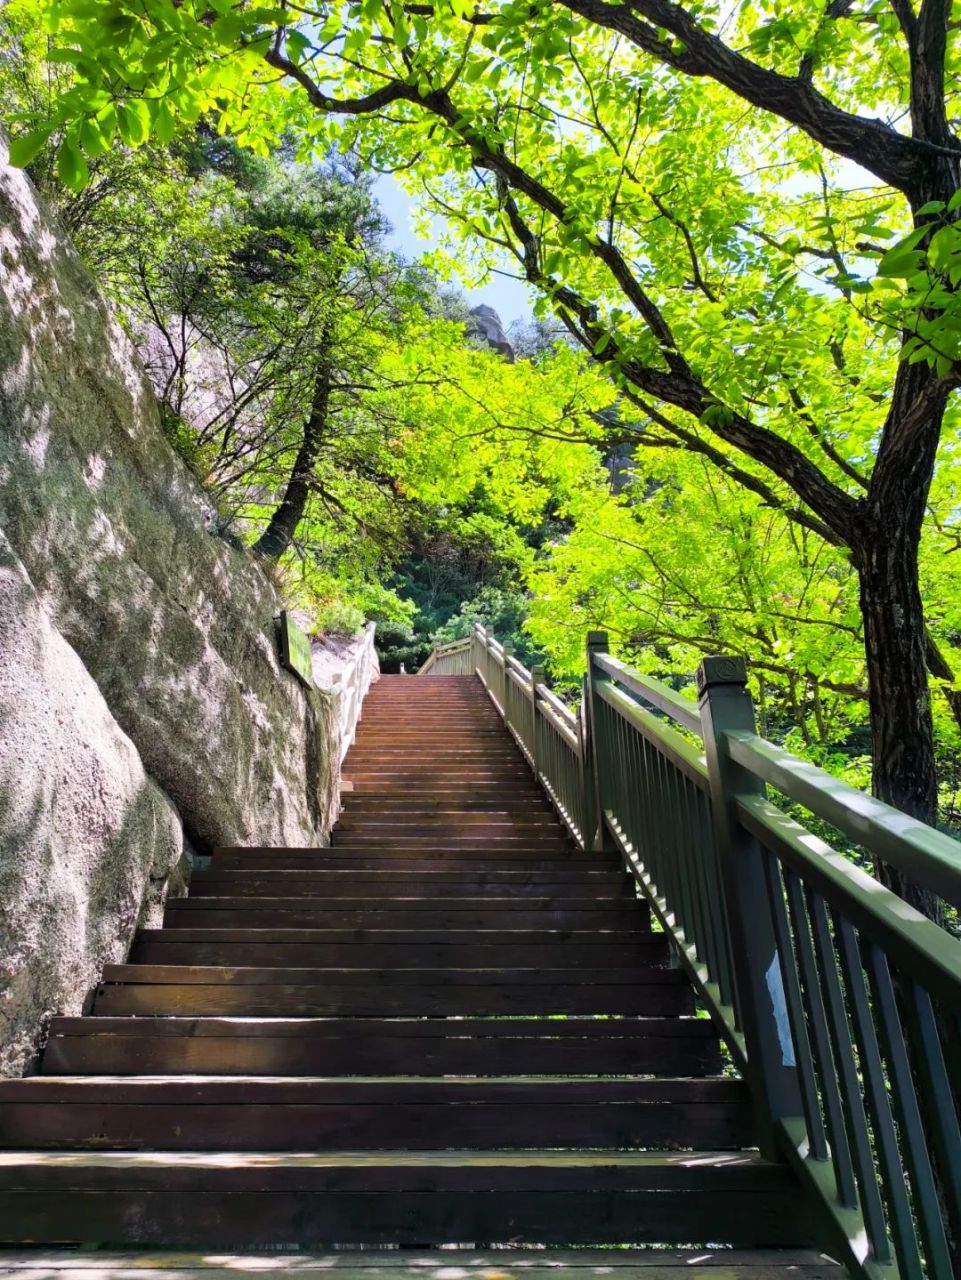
142	696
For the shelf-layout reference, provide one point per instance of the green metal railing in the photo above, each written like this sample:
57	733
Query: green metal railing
839	1003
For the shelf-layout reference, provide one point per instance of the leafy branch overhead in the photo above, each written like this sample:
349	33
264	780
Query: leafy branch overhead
747	219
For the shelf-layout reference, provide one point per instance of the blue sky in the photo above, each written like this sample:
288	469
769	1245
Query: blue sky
509	298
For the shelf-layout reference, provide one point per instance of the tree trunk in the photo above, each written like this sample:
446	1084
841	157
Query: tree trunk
279	534
885	553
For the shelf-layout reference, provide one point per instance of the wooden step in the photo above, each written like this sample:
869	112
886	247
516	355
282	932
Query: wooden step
387	877
409	913
387	887
256	1114
476	822
372	1046
306	1201
168	946
371	803
265	992
457	828
475	790
401	1264
569	948
564	866
437	856
540	846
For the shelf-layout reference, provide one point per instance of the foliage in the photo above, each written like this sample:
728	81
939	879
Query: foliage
725	211
502	610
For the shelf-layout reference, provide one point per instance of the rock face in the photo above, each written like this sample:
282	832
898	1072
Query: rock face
485	324
174	627
87	841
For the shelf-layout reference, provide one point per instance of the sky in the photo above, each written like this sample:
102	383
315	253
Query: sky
511	299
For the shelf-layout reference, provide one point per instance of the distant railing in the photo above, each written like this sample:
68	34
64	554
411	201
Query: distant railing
838	1001
452	659
351	686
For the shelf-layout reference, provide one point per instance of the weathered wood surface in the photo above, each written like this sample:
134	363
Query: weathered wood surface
428	1047
454	1264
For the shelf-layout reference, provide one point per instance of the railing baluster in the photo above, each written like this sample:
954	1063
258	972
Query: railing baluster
820	1042
913	1143
937	1100
847	1071
878	1100
795	1008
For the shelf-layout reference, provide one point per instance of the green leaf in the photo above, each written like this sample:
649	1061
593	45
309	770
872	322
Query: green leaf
91	138
28	147
297	45
71	166
133	122
228	30
933	206
164	124
900	263
954	204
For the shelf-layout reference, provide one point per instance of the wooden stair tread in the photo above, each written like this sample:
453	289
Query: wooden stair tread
704	1169
532	1091
626	1264
417	1028
204	975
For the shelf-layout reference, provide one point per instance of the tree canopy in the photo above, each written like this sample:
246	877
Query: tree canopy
746	220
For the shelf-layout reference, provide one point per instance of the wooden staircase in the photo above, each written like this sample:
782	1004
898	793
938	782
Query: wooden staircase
450	1026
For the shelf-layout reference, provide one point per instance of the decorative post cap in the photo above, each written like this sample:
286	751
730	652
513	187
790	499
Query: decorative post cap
722	670
597	640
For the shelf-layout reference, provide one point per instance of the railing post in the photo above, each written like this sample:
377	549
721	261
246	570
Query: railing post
588	814
725	705
537	678
598	762
508	652
476	643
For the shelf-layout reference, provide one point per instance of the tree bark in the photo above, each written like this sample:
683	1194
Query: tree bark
896	642
279	534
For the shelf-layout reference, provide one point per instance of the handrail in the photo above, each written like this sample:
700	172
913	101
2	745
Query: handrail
351	686
926	855
652	691
839	1003
451	659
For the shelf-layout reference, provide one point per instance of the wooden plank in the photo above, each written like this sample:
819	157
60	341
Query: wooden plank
55	1093
264	912
648	949
249	975
540	845
655	1264
546	1170
251	1114
658	1046
437	856
306	1001
236	1220
385	876
594	1030
373	866
344	887
448	938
